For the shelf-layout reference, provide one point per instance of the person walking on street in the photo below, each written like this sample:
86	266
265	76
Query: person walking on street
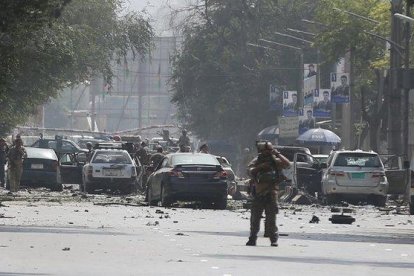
266	173
3	154
15	160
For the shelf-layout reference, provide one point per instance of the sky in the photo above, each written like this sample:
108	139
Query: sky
158	11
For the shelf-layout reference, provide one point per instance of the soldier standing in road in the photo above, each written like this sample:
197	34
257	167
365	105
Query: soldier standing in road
3	154
265	171
15	156
89	147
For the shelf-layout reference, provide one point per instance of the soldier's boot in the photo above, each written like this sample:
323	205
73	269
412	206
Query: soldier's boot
274	244
251	241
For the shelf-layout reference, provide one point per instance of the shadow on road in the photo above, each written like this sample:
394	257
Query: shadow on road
386	238
57	230
312	260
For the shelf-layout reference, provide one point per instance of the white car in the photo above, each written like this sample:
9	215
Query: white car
355	174
110	168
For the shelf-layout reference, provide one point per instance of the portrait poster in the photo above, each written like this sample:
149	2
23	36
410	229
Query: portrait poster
309	87
290	103
340	90
275	98
310	70
306	119
322	105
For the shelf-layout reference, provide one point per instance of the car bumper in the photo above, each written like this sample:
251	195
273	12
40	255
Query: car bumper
39	178
110	182
196	191
330	187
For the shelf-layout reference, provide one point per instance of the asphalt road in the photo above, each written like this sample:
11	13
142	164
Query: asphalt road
44	233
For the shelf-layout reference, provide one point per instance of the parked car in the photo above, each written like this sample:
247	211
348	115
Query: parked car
321	158
59	145
188	177
355	174
40	169
110	168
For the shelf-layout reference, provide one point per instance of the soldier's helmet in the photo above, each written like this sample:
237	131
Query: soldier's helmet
117	138
88	145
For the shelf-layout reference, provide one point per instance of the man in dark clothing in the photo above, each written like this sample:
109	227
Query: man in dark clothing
204	148
3	155
184	139
265	172
157	157
142	153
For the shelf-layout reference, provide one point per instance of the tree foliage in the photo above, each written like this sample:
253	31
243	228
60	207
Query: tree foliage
46	45
221	84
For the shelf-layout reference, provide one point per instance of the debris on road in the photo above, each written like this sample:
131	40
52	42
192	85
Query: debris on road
314	219
342	219
66	249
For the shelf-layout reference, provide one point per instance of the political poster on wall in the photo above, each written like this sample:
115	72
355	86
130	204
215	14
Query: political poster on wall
340	92
310	70
290	103
322	105
306	119
309	87
275	98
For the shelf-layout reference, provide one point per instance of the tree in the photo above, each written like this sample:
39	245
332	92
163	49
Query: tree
46	45
220	83
343	32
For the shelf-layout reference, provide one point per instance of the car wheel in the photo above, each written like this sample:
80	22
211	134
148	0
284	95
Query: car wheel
330	199
88	188
165	201
221	204
380	201
150	199
58	187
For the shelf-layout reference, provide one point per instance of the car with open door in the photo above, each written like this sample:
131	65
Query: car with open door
71	165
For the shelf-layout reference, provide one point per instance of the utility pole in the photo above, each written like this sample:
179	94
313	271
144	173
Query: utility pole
394	94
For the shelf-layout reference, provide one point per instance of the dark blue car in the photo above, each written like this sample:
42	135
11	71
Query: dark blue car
188	177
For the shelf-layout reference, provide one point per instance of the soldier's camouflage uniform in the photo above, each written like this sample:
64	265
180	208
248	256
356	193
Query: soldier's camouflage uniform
15	166
264	194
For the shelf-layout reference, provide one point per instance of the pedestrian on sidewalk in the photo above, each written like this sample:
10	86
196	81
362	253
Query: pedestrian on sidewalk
3	154
266	173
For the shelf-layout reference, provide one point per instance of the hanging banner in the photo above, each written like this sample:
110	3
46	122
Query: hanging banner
275	98
309	88
288	127
322	106
310	70
306	120
290	103
340	91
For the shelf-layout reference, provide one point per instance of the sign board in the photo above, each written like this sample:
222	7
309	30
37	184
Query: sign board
309	88
288	127
322	105
340	91
275	98
290	103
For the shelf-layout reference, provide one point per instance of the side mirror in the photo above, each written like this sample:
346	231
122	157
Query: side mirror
324	166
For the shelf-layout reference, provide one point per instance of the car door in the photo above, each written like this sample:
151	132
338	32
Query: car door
71	168
157	177
396	174
307	173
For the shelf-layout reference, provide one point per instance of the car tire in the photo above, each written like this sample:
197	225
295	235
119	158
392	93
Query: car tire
58	187
330	199
221	204
380	201
88	188
165	201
